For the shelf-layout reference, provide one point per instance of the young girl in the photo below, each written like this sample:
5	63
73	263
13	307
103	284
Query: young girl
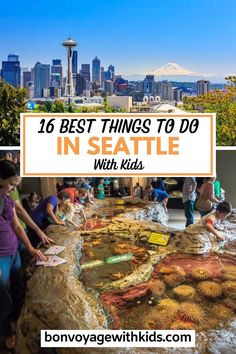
101	193
10	263
207	197
69	209
210	222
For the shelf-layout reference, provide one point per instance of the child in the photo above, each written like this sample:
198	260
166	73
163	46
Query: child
69	209
84	197
209	222
101	193
137	191
157	195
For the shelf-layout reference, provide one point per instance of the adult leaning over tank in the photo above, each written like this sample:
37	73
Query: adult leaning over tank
11	285
44	215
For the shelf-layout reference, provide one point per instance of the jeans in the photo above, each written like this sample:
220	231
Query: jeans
203	213
11	291
189	212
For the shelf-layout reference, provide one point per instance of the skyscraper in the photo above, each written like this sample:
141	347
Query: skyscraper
203	87
166	91
27	77
108	87
85	71
41	78
148	85
11	71
177	94
13	57
56	70
96	70
110	72
80	84
75	62
102	75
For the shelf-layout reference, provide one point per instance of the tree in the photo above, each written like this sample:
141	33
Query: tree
223	103
70	108
58	107
12	103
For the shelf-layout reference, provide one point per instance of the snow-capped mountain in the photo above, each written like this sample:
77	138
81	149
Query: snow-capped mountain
175	69
175	72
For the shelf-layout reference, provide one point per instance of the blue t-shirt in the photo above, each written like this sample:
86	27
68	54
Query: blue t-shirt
40	215
159	194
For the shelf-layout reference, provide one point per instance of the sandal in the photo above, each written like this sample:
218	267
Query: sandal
10	342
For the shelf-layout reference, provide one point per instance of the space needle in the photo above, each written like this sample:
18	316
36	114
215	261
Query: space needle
69	44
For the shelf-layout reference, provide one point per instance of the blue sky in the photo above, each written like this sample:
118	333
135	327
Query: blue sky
136	36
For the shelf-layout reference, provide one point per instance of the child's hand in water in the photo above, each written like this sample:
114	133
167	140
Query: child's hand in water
220	238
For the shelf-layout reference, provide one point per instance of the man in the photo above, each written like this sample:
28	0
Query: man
189	197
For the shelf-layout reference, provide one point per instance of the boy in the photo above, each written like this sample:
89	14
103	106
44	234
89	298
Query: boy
156	195
209	222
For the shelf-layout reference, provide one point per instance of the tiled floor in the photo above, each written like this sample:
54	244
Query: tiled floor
177	218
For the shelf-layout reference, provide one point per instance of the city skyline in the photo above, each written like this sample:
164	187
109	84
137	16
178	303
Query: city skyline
196	36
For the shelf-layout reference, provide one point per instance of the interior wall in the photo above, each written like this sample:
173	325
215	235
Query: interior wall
226	172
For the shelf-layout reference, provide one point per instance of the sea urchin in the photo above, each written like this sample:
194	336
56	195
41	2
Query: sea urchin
182	325
174	279
201	273
191	312
157	287
184	292
169	305
221	312
209	289
229	272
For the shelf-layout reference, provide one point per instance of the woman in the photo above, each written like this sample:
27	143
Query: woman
11	286
44	215
207	197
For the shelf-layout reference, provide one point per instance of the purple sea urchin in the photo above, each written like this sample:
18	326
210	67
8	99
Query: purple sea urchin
209	289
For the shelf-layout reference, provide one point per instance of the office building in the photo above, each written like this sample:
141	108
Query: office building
148	85
96	70
27	77
120	102
75	62
177	94
80	85
11	71
102	75
85	71
203	87
56	68
41	79
166	93
108	87
110	72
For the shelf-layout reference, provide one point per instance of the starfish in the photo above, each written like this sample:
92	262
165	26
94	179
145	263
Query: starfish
99	285
118	275
96	242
